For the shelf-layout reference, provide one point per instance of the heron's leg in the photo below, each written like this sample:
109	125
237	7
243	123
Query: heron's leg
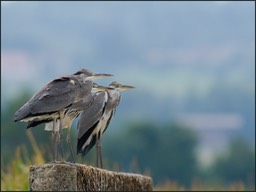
99	156
55	140
70	146
60	136
53	145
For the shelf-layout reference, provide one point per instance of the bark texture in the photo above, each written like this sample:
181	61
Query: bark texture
79	177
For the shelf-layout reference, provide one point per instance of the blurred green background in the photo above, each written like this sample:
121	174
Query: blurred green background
191	118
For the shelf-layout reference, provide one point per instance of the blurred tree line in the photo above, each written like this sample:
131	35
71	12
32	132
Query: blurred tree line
164	151
167	151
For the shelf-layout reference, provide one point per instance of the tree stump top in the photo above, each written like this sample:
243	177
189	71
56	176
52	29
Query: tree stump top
62	176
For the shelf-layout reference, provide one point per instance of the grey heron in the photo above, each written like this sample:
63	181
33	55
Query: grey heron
94	120
51	102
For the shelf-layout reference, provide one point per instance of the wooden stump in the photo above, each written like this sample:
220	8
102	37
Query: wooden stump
80	177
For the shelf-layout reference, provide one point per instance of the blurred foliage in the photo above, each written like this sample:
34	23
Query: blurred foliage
167	150
16	172
238	164
200	186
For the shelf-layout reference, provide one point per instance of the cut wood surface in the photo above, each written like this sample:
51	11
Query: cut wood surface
63	176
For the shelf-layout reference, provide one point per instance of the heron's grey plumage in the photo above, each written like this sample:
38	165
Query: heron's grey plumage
75	109
94	120
56	95
70	113
89	120
60	101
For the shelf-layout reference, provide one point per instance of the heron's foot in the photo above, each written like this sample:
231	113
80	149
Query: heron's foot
55	161
72	160
69	163
63	162
60	162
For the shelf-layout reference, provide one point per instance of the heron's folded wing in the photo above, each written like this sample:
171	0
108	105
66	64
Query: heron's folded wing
91	115
53	97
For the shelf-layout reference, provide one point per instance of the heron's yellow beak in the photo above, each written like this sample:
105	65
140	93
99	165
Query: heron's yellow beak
98	76
124	87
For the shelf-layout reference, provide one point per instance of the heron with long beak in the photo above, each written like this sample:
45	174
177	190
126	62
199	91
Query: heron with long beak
95	119
55	100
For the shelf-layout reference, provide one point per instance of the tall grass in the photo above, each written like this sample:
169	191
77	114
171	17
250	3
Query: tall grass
16	173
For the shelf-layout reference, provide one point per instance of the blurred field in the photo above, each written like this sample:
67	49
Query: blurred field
14	174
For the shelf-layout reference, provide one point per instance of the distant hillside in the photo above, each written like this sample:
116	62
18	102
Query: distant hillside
182	57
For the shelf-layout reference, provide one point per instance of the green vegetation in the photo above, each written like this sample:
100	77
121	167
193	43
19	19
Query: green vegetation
166	152
14	175
238	164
